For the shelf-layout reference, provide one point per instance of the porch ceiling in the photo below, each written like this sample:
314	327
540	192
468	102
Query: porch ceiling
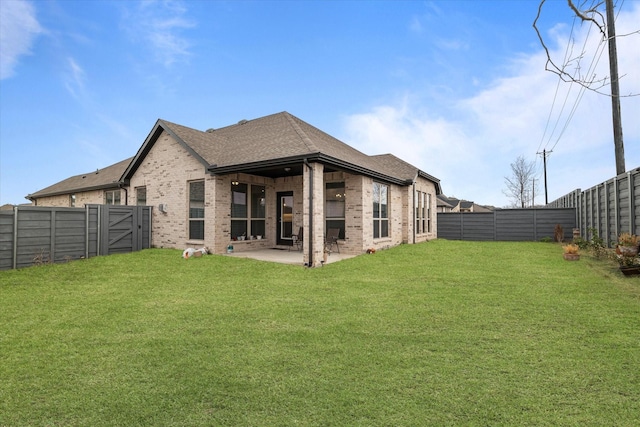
275	171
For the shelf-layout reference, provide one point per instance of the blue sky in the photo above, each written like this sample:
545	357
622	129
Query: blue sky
457	88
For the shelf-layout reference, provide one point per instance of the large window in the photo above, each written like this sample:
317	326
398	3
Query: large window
141	196
112	197
380	210
422	212
247	211
428	212
335	206
196	210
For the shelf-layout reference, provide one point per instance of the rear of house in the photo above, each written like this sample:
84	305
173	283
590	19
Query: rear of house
257	183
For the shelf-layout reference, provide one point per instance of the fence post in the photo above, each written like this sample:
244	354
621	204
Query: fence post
616	206
99	229
52	241
597	205
632	213
15	237
86	231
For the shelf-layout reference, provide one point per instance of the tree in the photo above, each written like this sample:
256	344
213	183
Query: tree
520	188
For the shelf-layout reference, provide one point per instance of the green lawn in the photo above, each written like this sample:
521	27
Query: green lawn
440	333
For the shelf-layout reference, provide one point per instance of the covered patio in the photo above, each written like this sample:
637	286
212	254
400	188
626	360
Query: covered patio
285	256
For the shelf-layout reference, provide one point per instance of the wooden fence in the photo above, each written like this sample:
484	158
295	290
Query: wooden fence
31	235
507	224
610	208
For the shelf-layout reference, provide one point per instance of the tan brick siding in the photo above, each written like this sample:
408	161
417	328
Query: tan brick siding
94	197
165	172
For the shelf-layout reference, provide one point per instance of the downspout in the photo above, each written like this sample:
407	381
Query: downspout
126	194
412	215
310	236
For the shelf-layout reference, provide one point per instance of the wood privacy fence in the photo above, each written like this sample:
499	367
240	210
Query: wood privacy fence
610	208
507	224
31	235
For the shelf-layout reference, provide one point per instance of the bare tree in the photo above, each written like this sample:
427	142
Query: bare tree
571	69
519	185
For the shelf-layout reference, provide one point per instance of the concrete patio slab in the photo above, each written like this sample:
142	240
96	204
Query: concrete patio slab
284	256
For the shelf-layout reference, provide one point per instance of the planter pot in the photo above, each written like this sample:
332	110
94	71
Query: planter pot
629	271
571	257
627	250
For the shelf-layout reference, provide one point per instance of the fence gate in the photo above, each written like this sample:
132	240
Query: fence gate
122	229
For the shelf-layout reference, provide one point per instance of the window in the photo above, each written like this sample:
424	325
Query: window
248	210
429	212
196	210
335	206
141	196
112	197
422	212
380	211
72	200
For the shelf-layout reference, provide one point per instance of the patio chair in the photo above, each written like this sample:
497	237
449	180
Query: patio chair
333	234
298	239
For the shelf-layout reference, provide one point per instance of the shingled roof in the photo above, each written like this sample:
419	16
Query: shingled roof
267	144
100	179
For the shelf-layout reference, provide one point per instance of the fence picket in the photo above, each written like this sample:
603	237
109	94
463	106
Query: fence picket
616	211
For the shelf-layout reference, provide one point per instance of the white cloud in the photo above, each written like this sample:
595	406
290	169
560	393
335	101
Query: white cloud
75	78
18	31
470	149
160	24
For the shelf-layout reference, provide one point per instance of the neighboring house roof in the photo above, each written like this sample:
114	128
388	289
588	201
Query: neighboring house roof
442	202
447	201
105	178
464	205
264	146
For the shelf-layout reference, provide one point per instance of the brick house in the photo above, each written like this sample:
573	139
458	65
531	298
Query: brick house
257	183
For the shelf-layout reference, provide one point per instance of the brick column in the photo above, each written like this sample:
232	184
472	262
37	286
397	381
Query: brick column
313	176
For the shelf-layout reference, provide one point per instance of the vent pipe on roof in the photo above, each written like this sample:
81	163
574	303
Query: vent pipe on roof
211	130
243	121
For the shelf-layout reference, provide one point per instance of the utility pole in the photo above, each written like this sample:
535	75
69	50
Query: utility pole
545	154
615	89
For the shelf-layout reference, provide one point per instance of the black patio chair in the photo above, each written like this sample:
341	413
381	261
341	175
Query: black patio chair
298	239
333	234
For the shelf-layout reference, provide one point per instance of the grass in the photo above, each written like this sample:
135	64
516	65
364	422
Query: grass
440	333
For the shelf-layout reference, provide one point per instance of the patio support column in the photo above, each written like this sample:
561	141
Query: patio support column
313	213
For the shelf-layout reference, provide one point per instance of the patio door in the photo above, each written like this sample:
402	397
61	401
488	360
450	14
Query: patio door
285	218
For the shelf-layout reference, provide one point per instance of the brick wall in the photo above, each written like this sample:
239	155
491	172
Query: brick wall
82	199
165	172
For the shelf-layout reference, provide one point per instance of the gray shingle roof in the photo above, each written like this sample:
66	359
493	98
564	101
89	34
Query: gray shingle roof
104	178
248	146
284	136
